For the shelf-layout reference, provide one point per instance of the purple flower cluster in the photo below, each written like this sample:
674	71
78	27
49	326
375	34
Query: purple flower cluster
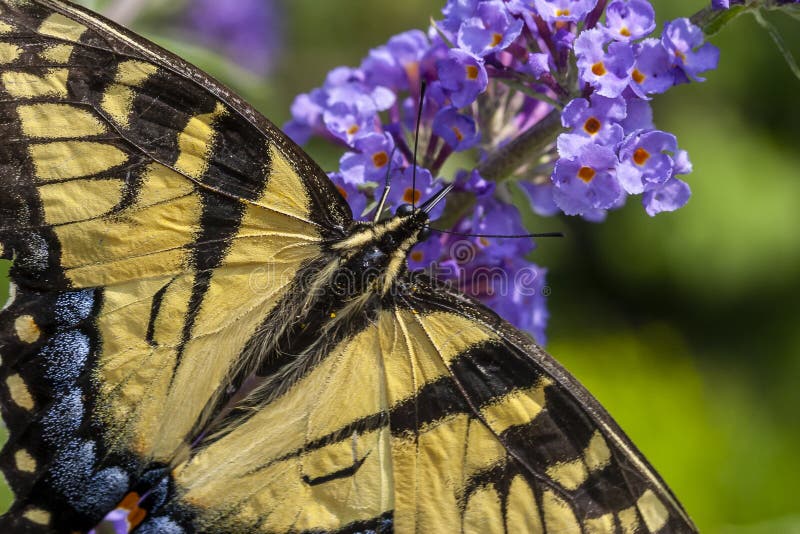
494	70
612	149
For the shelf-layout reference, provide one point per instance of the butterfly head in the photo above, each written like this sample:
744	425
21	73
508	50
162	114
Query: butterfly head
377	252
406	210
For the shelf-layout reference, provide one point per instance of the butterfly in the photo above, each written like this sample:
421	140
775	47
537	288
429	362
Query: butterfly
200	338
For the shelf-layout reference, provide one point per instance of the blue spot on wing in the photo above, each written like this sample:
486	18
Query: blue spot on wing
65	355
73	307
72	474
62	420
159	525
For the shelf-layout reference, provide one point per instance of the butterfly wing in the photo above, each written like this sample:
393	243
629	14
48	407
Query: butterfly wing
153	220
339	450
135	191
435	416
528	448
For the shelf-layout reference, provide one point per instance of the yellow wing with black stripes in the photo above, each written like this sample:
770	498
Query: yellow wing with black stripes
137	198
449	422
180	353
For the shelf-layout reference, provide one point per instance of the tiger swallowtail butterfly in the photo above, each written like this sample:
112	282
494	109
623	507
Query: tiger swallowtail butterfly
179	353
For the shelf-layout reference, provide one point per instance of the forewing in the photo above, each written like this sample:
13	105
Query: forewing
153	220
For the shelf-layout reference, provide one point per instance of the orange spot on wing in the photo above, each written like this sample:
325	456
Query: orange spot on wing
136	517
130	504
130	501
342	191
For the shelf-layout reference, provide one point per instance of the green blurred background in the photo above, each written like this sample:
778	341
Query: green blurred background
685	326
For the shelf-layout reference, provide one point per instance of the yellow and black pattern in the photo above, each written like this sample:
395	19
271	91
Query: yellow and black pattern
179	344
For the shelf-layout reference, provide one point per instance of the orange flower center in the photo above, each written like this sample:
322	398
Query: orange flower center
411	196
497	38
458	133
562	12
598	69
641	156
379	159
586	174
625	32
353	129
638	76
417	256
472	72
591	126
412	72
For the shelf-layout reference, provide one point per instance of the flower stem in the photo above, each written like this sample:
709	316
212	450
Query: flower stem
711	21
502	163
779	42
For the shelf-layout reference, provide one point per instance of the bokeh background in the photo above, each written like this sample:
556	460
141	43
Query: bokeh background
685	326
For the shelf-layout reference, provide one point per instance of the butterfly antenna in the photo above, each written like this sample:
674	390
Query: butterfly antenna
386	187
422	88
435	199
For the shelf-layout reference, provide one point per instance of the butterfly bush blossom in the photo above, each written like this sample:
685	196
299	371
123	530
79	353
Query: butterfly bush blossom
568	81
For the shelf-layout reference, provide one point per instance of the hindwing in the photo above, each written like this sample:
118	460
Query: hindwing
435	417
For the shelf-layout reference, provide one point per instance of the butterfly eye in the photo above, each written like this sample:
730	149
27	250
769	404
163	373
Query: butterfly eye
404	210
424	234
